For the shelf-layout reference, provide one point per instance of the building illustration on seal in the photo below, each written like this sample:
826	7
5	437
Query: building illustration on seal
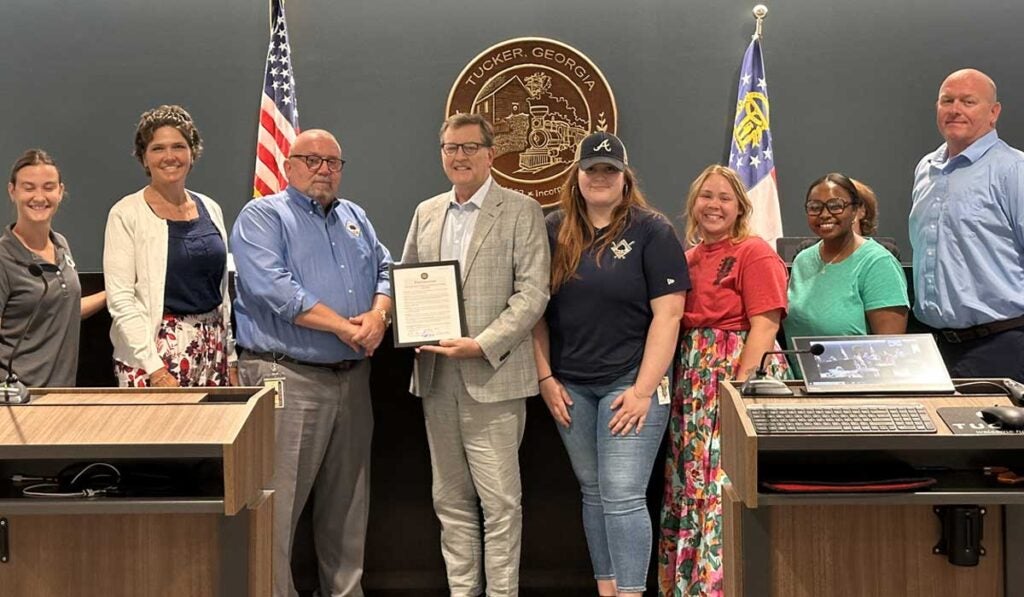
542	97
531	121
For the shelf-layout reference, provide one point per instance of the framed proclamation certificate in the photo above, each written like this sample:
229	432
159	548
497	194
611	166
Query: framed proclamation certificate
428	303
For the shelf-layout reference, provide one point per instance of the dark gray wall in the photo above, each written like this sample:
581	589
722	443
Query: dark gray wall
852	86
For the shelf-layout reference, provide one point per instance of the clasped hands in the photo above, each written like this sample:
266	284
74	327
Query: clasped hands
363	332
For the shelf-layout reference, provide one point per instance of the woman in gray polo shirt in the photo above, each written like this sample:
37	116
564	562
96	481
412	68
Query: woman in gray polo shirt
40	297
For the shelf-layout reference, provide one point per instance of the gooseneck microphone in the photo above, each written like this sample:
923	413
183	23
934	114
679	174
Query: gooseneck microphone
759	384
13	391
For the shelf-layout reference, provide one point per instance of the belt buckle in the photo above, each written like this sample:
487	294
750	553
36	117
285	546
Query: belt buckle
951	336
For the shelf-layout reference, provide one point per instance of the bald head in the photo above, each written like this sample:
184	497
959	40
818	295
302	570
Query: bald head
320	183
314	136
976	77
967	109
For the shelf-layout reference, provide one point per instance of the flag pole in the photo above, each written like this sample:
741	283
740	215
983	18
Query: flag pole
760	11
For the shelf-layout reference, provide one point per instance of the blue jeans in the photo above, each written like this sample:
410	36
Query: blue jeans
613	472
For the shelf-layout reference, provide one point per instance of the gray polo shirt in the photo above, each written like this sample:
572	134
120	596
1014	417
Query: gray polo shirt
48	356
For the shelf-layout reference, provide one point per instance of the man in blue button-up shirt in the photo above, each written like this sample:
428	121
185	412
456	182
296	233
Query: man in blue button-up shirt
313	296
967	230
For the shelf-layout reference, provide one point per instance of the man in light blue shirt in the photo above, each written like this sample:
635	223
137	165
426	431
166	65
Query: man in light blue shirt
313	296
967	231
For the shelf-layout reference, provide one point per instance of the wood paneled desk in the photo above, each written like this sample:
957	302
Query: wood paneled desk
846	544
213	539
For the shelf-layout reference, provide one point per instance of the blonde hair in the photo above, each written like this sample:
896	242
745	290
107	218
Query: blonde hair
741	228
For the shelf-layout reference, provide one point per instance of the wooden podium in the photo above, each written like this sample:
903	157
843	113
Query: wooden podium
213	540
849	544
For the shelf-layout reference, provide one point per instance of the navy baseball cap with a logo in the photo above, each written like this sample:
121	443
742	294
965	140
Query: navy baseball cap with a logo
602	148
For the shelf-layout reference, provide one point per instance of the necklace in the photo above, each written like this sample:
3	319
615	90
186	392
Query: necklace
838	255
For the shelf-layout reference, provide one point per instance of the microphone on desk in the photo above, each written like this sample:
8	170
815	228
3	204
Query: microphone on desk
760	385
11	388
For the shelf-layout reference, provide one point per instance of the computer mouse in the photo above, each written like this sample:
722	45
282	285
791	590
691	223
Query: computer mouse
1007	417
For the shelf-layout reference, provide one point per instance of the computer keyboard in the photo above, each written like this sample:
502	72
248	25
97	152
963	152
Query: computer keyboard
832	419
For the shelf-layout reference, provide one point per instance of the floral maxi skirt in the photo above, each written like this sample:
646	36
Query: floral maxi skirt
690	547
192	348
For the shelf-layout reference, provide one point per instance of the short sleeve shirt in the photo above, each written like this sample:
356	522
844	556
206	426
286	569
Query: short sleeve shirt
833	299
598	320
48	354
732	282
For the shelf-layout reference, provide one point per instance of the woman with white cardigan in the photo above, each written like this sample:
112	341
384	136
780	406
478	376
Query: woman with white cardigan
165	267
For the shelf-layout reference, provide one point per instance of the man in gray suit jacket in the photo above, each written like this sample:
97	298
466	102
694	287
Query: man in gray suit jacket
474	388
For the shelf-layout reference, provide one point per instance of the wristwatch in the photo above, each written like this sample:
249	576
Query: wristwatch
384	316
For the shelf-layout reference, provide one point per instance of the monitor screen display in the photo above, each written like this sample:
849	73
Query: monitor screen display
873	364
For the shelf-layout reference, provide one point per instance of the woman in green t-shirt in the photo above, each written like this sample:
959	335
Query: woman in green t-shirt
846	284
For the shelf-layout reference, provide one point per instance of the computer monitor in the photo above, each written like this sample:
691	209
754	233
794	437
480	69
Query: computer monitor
873	364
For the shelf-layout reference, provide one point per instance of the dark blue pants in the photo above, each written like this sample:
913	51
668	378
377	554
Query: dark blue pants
998	355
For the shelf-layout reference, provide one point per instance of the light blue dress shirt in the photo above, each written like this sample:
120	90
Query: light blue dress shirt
289	256
459	223
967	231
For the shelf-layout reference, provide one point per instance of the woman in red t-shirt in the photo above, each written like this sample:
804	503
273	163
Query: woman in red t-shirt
732	315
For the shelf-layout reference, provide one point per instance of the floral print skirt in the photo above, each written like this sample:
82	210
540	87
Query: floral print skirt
690	546
192	348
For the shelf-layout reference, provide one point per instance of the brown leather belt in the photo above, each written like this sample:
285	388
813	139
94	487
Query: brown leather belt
283	358
981	331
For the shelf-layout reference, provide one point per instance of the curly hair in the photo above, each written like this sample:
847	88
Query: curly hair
166	115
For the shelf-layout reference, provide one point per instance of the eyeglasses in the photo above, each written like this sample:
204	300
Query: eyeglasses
467	148
313	162
835	206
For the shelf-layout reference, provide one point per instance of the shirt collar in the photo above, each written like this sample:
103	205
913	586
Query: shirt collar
26	257
306	201
477	200
973	152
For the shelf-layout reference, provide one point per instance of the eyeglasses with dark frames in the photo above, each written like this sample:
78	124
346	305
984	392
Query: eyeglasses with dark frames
313	162
467	148
835	206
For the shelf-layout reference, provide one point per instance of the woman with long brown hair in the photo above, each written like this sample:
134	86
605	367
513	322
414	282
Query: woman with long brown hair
618	286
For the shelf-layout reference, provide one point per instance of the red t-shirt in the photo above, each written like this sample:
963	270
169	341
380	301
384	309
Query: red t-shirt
732	282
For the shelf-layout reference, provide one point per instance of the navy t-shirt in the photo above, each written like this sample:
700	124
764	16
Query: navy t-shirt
196	258
598	320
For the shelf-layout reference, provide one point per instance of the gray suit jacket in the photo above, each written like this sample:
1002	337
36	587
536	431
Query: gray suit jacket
504	287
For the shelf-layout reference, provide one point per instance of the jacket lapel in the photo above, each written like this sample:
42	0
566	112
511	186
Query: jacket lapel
433	227
484	222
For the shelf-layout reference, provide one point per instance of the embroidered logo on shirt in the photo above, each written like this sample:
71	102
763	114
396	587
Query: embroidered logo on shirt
622	248
353	228
69	261
723	269
670	281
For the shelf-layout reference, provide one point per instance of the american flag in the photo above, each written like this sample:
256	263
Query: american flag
279	114
750	152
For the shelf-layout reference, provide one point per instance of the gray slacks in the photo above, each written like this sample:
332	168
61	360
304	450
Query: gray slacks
474	455
323	438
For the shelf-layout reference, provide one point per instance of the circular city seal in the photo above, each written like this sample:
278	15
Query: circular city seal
542	97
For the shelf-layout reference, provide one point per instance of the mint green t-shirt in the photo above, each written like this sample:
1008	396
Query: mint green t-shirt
833	299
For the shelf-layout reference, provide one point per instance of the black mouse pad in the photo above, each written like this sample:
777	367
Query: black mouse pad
966	420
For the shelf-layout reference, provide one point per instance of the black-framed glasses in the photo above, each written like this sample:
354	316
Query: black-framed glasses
835	206
313	162
467	148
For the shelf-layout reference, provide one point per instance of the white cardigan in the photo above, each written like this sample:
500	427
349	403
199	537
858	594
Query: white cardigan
134	271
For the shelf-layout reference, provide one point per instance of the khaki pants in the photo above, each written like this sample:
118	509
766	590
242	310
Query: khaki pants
474	455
